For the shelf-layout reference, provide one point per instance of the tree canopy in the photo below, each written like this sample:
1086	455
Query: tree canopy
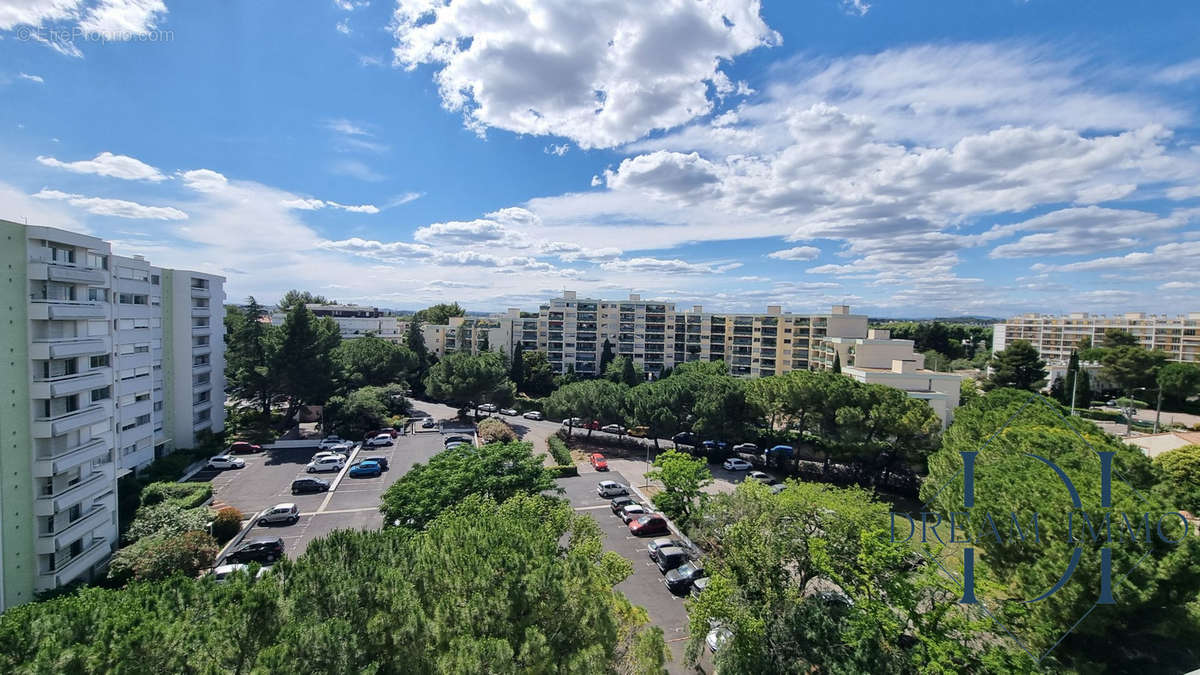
539	376
682	477
371	361
1018	366
303	360
439	314
471	379
296	297
1180	476
363	410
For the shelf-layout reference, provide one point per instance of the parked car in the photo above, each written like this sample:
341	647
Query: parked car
392	433
258	550
654	546
573	422
330	442
632	512
533	415
648	525
670	557
761	477
594	425
598	462
457	438
329	453
608	488
309	485
684	438
508	411
241	447
326	464
381	461
222	572
714	447
366	469
698	586
488	407
379	441
222	462
778	487
735	464
639	431
457	444
746	447
679	580
717	637
280	513
619	503
428	423
613	429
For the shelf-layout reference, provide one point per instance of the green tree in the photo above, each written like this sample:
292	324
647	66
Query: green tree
363	410
294	298
439	314
606	357
303	359
1131	368
414	339
248	342
1115	337
1179	381
1180	477
539	376
516	371
623	370
1018	366
468	380
649	404
589	399
166	519
682	477
371	361
1065	388
497	470
162	555
968	391
837	363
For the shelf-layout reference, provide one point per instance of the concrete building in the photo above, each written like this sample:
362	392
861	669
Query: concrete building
1055	336
356	321
95	388
498	333
880	359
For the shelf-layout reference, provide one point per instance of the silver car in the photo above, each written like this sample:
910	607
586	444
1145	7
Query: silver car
280	513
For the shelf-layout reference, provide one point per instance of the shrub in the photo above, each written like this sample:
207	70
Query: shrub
184	495
165	519
226	524
559	451
493	430
564	470
1101	415
161	556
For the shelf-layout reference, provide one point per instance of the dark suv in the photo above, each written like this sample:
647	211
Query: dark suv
309	485
258	550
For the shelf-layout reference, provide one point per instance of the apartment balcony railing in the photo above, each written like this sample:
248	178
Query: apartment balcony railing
54	461
69	384
93	485
57	425
51	310
66	347
70	532
76	567
65	272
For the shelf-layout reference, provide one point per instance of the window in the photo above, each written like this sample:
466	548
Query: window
53	291
200	322
53	407
59	368
101	394
201	379
200	341
143	348
157	407
200	283
132	299
155	279
128	450
98	294
199	303
200	360
60	253
155	300
97	261
100	361
144	396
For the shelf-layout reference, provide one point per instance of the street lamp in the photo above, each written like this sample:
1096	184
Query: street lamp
1157	407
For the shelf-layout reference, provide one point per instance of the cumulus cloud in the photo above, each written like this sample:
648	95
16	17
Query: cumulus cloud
796	253
108	164
666	175
306	204
32	78
667	266
1080	231
119	208
114	20
600	75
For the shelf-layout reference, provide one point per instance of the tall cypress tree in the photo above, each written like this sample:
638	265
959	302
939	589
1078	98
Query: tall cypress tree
516	372
837	362
606	357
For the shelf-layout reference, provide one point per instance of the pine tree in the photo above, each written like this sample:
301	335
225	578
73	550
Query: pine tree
1019	366
628	375
516	371
837	362
606	356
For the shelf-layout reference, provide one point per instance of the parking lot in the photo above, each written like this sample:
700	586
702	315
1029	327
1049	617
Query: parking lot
645	586
351	503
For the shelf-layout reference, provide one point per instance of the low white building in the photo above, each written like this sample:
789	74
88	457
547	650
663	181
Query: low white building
355	321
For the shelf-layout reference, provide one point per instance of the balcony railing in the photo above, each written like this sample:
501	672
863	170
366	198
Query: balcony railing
89	487
51	542
75	567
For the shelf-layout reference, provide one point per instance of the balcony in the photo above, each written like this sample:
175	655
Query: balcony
95	484
200	311
70	384
49	543
43	349
66	273
47	427
65	310
199	292
76	567
61	461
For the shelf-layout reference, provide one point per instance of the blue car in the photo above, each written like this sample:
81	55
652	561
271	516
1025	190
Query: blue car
366	469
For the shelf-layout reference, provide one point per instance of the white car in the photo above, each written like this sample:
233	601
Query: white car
735	464
220	572
326	464
608	488
746	447
226	462
633	512
333	442
613	429
533	415
488	407
717	638
508	411
280	513
323	455
573	422
762	477
379	441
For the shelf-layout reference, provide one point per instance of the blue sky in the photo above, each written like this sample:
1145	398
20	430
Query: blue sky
909	158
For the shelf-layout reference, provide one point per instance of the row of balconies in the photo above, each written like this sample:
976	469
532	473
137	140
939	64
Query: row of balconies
76	567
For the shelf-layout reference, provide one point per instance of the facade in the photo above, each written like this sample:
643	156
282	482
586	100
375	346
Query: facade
498	333
1055	336
93	379
880	359
356	321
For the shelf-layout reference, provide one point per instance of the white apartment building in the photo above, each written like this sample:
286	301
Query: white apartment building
1055	336
880	359
498	333
356	321
90	379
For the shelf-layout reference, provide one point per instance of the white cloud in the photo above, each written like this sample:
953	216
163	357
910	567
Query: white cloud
343	26
1177	259
122	19
204	180
114	207
354	136
37	12
356	169
667	266
796	253
32	78
350	5
1179	72
108	164
859	7
403	199
557	150
1087	230
307	204
600	75
1179	285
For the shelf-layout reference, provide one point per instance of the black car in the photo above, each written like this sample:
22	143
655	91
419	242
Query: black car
619	503
309	485
258	550
680	579
382	461
458	439
685	438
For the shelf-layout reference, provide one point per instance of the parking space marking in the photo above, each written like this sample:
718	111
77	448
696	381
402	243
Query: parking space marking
358	510
591	508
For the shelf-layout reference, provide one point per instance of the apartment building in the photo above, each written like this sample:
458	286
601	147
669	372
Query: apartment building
1055	336
880	359
355	321
498	333
92	379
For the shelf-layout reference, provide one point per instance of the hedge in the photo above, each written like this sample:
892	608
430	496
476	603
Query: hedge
184	495
166	519
1101	415
563	470
559	451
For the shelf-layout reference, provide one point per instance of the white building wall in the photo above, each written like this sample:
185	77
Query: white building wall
196	346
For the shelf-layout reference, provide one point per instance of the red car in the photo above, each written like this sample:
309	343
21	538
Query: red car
390	432
598	462
244	447
649	524
595	425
